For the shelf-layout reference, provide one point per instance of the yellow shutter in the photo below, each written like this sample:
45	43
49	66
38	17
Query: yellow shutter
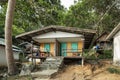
80	45
52	49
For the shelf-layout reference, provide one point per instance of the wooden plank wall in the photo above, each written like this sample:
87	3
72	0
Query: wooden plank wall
52	48
80	46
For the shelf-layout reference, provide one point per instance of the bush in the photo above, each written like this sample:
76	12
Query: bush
89	54
107	54
22	58
113	70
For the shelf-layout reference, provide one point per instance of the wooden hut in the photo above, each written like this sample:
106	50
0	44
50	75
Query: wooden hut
60	40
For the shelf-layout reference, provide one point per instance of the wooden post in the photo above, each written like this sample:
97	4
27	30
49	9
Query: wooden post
56	47
32	51
83	52
82	61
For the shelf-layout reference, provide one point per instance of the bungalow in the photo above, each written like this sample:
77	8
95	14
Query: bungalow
16	52
59	40
115	36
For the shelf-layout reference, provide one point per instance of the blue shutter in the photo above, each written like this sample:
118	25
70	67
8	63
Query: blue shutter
47	47
63	47
74	47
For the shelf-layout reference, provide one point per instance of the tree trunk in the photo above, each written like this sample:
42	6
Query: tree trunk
8	36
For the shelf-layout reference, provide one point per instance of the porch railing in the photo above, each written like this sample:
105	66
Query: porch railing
74	52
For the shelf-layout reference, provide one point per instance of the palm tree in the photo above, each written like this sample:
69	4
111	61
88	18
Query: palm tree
8	36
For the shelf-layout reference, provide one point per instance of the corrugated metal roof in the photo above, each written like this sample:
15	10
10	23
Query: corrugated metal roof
15	48
2	41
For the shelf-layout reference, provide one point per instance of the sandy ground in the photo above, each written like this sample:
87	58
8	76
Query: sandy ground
88	72
77	72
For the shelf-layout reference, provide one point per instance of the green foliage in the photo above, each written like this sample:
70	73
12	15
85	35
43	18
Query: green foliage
17	30
33	14
86	13
30	14
17	77
90	54
2	21
22	57
113	70
111	18
79	16
1	30
108	54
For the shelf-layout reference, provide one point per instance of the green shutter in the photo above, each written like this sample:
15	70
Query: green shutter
63	47
47	47
74	46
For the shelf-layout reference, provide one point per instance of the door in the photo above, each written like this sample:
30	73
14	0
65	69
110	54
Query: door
63	49
47	47
74	47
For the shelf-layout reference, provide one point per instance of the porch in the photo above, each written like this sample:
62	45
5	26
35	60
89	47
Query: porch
67	57
66	60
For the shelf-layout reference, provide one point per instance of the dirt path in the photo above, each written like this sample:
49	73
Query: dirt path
88	72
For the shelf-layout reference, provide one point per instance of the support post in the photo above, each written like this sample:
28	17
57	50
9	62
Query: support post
82	61
32	51
56	47
83	52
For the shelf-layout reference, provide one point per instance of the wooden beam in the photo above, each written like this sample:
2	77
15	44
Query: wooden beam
56	47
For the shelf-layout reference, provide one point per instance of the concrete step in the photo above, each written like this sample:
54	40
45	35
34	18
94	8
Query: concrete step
51	63
48	68
45	74
54	58
40	79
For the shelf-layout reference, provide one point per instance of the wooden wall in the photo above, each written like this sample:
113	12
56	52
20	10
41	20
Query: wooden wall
52	48
69	46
